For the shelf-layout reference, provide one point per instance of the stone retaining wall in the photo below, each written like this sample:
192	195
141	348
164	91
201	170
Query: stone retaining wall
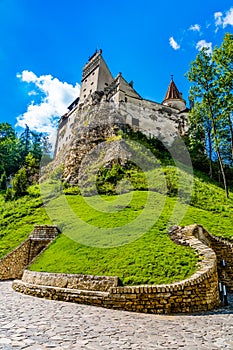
13	264
223	250
71	281
197	293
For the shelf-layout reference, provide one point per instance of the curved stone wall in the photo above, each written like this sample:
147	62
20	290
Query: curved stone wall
197	293
224	253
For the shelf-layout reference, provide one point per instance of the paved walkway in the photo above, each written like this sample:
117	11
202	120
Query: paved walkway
35	324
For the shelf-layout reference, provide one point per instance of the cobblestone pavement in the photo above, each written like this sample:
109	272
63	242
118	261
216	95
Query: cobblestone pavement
35	324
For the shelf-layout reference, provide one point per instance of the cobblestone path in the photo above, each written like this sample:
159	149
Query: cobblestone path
35	324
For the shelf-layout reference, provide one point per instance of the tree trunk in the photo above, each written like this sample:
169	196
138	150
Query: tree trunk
231	132
219	154
210	154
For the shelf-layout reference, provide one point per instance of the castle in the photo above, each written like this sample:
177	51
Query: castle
105	104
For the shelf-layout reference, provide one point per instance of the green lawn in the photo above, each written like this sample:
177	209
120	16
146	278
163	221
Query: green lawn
17	219
123	235
147	256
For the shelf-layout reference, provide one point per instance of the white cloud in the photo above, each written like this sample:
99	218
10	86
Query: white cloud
173	43
195	28
228	19
218	18
223	20
203	43
55	97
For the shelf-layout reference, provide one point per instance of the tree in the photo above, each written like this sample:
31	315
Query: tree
9	157
205	92
223	57
32	168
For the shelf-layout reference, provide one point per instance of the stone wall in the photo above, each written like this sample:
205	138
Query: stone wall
71	281
223	250
197	293
13	264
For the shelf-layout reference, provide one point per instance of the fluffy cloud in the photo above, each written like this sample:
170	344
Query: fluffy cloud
173	43
228	19
54	95
203	43
195	28
224	20
218	18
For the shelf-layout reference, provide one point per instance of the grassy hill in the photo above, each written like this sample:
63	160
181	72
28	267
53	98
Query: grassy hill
137	253
17	219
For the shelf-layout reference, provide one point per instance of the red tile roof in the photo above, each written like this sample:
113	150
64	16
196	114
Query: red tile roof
172	92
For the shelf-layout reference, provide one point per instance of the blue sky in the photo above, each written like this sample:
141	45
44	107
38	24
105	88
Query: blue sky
45	43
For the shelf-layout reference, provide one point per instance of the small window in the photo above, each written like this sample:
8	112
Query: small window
90	91
84	96
93	73
85	80
92	83
126	99
106	84
135	122
84	90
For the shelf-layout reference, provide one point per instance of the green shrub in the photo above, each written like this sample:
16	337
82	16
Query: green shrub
20	183
3	182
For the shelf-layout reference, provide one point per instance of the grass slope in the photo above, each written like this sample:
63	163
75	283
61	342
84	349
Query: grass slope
17	219
147	257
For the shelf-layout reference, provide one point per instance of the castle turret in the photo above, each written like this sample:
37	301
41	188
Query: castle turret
174	98
96	76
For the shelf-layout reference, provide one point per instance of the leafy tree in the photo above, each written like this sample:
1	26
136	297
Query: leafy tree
25	143
32	168
8	150
205	92
223	57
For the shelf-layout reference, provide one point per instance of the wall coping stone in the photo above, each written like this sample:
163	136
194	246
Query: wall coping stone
71	281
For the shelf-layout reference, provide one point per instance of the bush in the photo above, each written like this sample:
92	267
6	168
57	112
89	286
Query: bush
8	195
20	183
3	182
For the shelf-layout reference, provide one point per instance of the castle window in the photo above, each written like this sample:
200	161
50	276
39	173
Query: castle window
85	80
135	123
90	91
126	99
106	84
92	83
84	96
93	73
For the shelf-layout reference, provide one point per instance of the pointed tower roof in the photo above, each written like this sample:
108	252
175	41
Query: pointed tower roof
172	92
173	97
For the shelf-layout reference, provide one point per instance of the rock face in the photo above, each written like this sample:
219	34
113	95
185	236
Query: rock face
106	106
104	124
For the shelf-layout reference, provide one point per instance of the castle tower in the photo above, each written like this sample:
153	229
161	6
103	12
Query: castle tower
95	77
174	98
